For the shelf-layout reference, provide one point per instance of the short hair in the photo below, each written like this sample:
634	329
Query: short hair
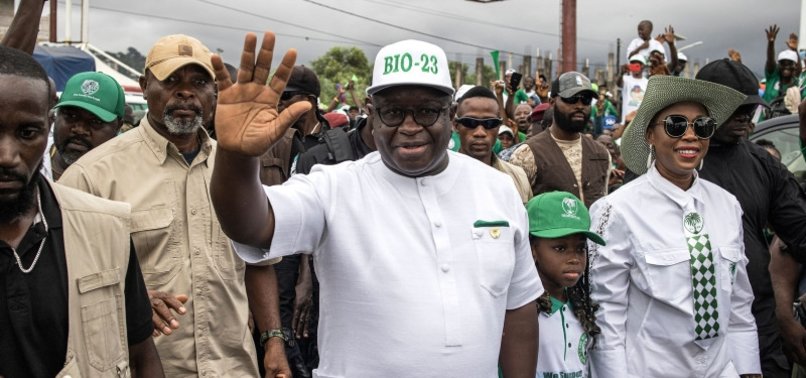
478	91
768	144
17	63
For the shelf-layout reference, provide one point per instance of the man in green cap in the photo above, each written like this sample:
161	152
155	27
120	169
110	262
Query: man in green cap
89	113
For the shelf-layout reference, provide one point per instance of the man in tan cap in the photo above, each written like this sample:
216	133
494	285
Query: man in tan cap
163	170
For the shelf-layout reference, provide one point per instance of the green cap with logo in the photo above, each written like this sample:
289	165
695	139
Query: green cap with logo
95	92
559	214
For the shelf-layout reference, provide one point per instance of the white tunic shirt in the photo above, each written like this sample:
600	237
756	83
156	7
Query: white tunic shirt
642	283
416	274
563	351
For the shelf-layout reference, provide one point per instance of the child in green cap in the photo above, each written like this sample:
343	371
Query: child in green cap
559	230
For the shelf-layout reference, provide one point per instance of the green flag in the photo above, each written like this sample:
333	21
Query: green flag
497	66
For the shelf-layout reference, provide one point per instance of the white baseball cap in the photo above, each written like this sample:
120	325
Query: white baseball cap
411	62
788	55
505	129
638	58
682	57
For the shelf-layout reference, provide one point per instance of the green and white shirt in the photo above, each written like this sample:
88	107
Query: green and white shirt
563	350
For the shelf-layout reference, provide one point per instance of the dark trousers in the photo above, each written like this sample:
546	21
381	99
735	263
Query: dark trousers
302	354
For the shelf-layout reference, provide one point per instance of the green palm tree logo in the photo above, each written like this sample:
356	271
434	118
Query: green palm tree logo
693	223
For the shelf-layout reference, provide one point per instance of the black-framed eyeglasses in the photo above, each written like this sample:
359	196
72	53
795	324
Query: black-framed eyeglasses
573	100
472	123
425	116
675	126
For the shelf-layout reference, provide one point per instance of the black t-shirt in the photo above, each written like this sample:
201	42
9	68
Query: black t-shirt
33	306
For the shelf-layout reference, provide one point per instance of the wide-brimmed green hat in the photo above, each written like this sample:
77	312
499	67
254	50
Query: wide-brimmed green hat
663	91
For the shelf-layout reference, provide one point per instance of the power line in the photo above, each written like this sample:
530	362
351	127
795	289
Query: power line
284	22
407	29
470	19
133	13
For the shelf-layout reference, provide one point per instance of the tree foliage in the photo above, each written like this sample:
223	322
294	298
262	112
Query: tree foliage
131	58
340	65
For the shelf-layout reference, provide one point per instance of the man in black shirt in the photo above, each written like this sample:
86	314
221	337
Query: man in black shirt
35	308
768	194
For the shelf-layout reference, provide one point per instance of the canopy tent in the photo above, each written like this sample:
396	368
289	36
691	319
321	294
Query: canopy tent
62	62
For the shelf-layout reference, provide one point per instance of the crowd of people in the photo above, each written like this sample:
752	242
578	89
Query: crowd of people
549	229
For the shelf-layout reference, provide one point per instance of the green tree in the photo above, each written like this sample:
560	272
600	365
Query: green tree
131	58
339	66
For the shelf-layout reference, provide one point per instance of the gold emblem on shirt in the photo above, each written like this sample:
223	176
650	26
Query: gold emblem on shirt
495	232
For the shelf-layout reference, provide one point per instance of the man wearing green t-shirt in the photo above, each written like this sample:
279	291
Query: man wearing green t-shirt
783	73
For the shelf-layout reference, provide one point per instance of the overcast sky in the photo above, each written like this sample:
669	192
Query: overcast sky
465	29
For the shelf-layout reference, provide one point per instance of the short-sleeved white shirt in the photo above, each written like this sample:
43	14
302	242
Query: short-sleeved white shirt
563	343
653	44
416	274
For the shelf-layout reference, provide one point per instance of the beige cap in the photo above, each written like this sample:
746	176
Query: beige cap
173	52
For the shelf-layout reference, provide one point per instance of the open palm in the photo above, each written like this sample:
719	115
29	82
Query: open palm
247	120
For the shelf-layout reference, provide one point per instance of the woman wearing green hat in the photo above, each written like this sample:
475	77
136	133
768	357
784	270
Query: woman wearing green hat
671	282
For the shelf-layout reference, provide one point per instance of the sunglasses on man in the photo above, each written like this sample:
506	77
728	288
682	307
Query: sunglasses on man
573	100
675	126
472	123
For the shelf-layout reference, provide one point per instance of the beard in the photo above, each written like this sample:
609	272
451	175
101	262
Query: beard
565	123
70	157
12	209
177	126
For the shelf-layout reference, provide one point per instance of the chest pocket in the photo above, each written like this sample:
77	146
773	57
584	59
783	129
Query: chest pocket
495	250
102	318
227	262
728	266
157	248
668	275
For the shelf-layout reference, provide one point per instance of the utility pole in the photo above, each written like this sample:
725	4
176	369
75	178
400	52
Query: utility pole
569	35
53	33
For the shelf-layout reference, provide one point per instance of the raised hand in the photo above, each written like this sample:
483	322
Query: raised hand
247	120
792	42
772	32
668	35
734	55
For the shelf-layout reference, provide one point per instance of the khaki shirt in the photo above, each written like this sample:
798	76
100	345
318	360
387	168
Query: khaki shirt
180	245
518	177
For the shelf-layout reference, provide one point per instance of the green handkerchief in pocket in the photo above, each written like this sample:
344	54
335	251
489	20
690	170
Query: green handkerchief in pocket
496	223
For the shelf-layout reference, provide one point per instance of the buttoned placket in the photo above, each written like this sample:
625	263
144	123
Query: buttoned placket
199	231
446	274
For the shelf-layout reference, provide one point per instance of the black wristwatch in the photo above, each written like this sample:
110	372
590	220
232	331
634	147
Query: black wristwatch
266	335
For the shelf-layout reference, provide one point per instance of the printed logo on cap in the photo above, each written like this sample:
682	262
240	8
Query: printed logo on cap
406	62
569	208
579	79
89	87
411	62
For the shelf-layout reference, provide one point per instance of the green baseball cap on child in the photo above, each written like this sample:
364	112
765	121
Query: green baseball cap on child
95	92
558	214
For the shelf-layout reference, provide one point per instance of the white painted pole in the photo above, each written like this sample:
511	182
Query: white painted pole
85	21
802	35
68	20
